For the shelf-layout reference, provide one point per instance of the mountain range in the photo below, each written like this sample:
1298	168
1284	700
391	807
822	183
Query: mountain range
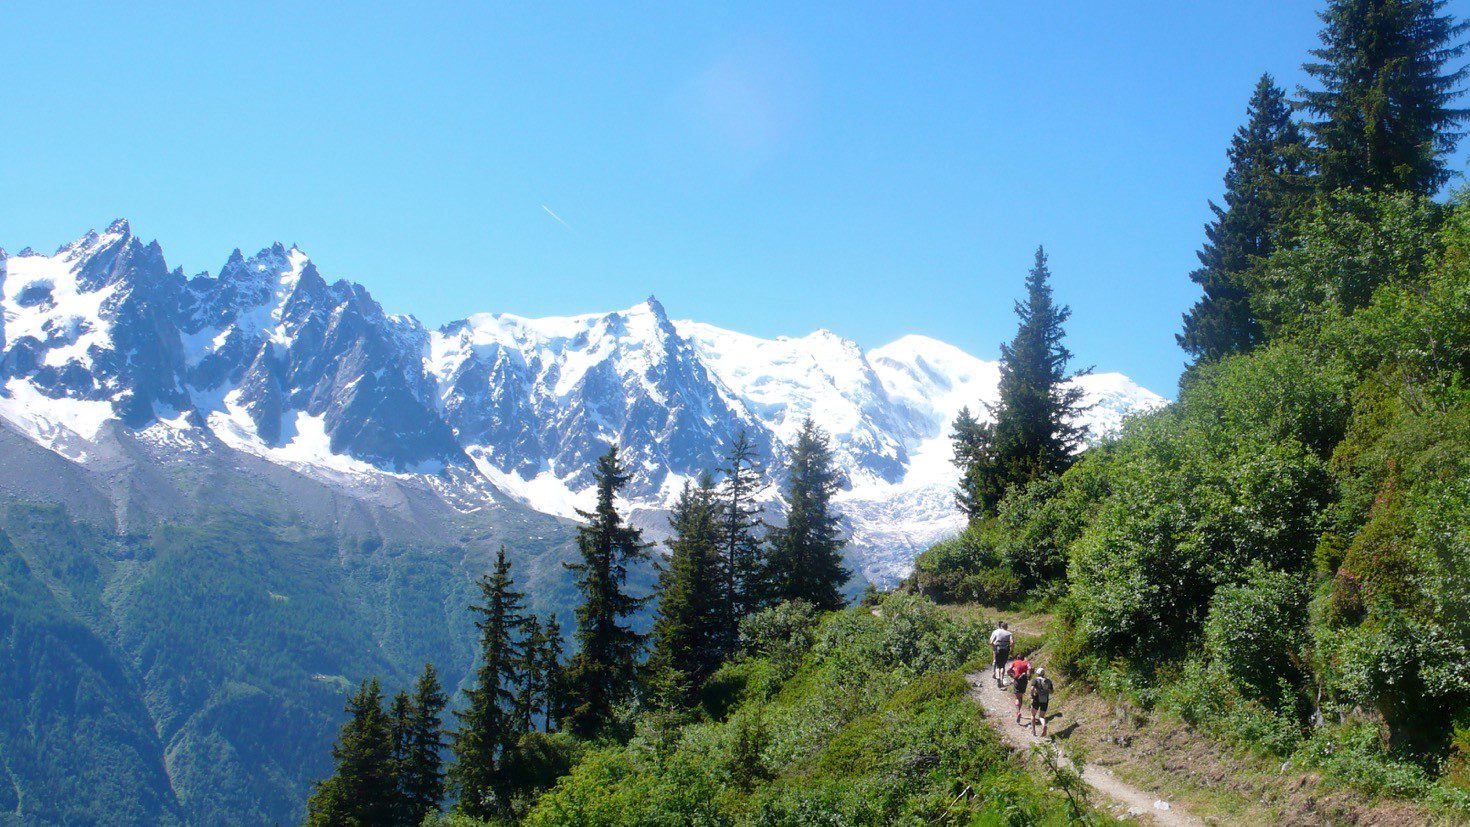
270	359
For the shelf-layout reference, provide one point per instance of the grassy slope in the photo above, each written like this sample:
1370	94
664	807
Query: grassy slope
870	725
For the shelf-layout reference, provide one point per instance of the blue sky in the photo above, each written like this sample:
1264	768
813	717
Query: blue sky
874	169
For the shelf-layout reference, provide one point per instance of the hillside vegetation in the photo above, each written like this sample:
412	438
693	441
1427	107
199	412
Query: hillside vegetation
854	717
1282	557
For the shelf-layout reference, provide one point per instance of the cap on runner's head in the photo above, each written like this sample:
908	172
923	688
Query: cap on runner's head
1040	672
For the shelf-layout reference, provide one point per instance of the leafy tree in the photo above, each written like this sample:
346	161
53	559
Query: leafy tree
421	742
488	723
1035	430
806	554
1385	120
602	674
363	789
687	633
741	551
1262	187
1349	245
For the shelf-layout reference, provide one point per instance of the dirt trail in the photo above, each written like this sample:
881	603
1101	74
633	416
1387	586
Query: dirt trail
1000	708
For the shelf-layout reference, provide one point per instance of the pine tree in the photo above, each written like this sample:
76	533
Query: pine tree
603	672
421	768
1034	432
742	563
686	634
363	789
1384	113
1264	185
487	724
555	671
806	554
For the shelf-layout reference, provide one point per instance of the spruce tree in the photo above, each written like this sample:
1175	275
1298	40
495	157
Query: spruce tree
742	563
555	671
1264	185
1034	432
487	724
686	634
421	768
603	672
974	455
363	790
400	723
806	553
1384	119
533	675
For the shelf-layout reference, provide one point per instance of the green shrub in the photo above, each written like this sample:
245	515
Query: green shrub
1352	244
874	726
1040	522
941	571
997	586
781	634
1254	629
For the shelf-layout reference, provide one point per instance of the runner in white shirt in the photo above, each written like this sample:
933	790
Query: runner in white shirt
1000	647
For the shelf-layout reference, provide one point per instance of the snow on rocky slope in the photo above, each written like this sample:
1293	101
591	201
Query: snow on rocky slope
269	358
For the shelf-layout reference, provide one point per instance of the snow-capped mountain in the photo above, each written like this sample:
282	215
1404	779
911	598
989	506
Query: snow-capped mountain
269	358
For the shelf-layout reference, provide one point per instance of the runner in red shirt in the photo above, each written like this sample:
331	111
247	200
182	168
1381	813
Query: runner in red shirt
1020	673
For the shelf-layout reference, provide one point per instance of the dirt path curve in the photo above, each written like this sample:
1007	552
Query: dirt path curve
1000	708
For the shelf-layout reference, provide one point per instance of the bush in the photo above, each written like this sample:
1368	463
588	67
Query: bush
1254	628
940	571
1351	244
874	726
1197	493
1039	522
996	586
781	634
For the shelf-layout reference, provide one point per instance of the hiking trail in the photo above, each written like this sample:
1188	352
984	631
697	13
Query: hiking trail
1000	709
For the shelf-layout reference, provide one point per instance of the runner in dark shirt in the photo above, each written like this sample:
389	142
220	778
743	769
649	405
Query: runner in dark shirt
1041	689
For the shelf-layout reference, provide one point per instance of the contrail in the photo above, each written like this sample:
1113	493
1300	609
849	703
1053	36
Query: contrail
557	217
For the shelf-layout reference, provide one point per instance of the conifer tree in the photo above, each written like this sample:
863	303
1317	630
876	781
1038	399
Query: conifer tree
1034	432
487	724
974	455
742	563
533	675
1383	109
363	790
1264	184
686	634
603	672
555	671
806	553
421	763
400	724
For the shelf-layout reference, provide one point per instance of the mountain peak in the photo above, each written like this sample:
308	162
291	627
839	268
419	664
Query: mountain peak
656	308
119	227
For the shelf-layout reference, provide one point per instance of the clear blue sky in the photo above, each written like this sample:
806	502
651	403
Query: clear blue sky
875	169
